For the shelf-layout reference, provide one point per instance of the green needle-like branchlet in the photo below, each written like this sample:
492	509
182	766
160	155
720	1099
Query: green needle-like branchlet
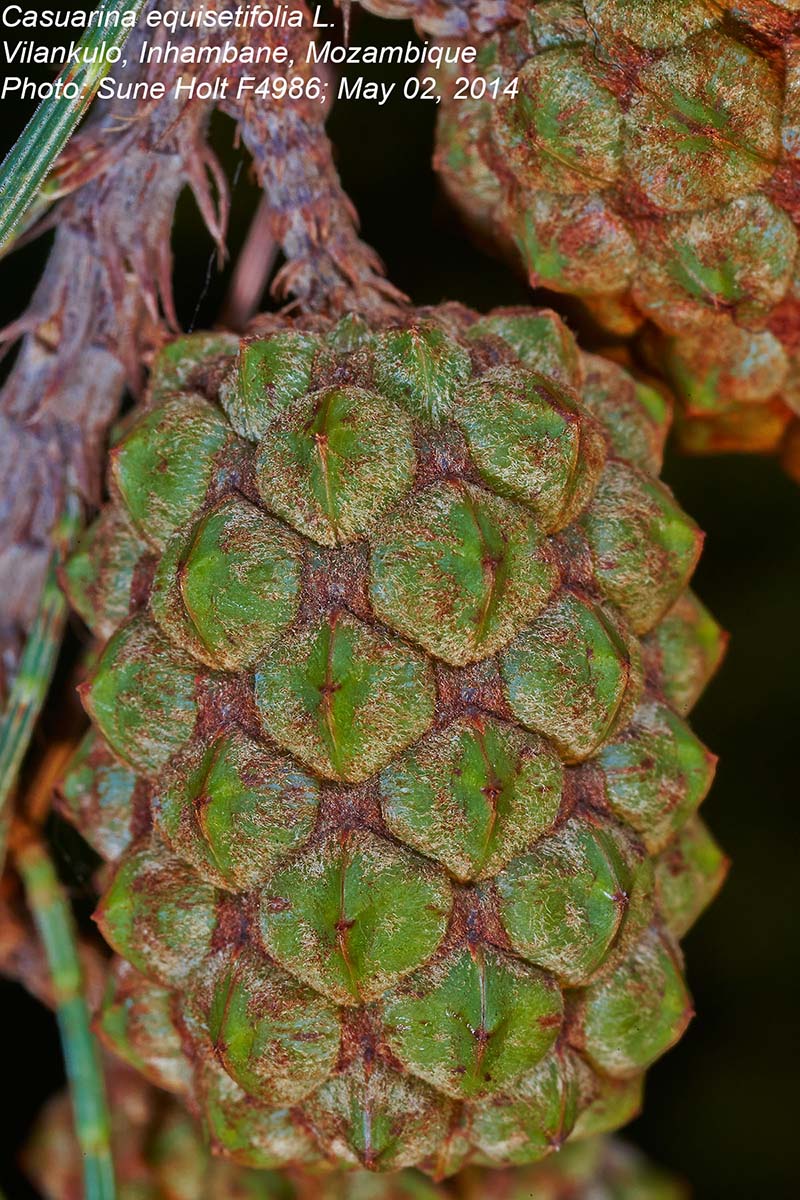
53	918
29	161
36	666
48	904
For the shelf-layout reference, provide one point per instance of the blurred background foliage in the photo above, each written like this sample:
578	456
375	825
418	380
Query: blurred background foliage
720	1108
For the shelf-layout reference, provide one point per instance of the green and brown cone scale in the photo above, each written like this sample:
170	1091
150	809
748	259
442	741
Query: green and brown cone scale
649	163
160	1154
389	743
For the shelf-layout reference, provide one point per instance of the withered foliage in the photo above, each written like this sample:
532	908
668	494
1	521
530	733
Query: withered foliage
450	18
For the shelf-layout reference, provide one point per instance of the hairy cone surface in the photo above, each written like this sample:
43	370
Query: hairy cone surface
649	163
159	1154
389	740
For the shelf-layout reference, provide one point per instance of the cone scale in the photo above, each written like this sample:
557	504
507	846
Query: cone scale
160	1154
389	747
648	162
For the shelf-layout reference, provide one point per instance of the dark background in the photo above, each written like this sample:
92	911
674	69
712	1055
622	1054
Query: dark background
721	1108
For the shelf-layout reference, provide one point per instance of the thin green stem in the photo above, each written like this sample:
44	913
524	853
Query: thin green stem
53	918
36	666
28	163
